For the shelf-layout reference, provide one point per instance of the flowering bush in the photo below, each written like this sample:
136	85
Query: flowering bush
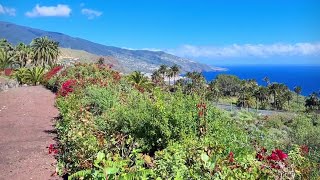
108	124
52	72
67	87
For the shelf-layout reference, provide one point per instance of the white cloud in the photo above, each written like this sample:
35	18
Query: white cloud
90	13
60	10
7	10
247	50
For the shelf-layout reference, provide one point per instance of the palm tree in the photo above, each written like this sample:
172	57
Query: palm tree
312	102
169	74
156	77
140	81
196	81
278	91
6	59
288	96
298	91
22	54
5	45
175	70
163	70
261	94
46	51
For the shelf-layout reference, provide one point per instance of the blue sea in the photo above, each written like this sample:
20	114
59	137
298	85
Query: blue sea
306	76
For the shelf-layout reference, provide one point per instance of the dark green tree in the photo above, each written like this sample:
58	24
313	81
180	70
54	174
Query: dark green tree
228	84
312	102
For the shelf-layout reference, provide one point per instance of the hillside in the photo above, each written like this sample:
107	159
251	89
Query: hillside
72	55
129	60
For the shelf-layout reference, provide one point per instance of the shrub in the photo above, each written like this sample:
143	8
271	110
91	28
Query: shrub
110	129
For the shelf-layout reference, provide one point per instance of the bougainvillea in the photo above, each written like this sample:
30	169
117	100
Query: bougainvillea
274	159
67	87
52	149
52	72
277	155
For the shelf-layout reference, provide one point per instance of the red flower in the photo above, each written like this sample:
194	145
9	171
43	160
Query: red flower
231	157
259	157
277	155
67	87
52	72
52	149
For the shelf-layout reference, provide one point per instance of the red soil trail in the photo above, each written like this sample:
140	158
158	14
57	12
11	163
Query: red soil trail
26	120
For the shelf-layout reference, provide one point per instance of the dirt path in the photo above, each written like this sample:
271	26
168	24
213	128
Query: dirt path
26	119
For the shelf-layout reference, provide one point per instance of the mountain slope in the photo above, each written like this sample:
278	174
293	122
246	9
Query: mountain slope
129	60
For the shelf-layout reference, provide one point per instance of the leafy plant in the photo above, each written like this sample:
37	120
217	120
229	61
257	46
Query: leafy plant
35	75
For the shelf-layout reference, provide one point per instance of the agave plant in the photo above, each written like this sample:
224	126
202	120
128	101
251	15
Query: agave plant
35	75
20	75
6	59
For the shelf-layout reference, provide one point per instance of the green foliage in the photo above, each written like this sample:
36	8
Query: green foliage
110	129
140	81
229	84
6	60
35	75
23	54
32	76
46	51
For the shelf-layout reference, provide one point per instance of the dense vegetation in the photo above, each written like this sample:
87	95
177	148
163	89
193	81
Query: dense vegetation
113	126
128	127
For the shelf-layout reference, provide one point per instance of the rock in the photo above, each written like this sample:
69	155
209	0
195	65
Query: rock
8	83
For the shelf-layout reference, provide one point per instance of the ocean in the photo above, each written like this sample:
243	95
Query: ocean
306	76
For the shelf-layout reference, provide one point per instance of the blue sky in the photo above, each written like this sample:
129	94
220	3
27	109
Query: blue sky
210	31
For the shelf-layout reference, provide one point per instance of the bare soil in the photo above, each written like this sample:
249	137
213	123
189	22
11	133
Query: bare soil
26	130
